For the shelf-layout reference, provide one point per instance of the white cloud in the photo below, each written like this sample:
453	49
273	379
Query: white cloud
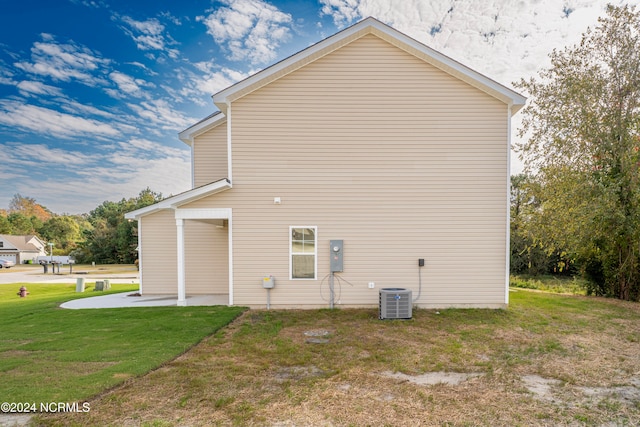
150	35
77	108
33	88
139	144
50	122
217	78
342	11
160	115
146	149
151	27
65	62
198	87
249	29
146	69
169	17
128	86
6	75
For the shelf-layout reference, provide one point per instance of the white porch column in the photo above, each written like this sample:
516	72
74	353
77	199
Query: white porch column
139	248
182	294
230	226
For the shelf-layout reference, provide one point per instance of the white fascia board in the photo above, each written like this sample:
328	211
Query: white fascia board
393	36
181	199
188	135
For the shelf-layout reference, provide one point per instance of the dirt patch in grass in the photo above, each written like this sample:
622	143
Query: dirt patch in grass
547	360
433	378
14	353
626	397
540	387
298	373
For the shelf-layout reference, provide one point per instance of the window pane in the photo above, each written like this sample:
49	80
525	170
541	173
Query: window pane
309	234
302	266
309	247
297	234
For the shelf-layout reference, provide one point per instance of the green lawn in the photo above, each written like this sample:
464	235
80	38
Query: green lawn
49	354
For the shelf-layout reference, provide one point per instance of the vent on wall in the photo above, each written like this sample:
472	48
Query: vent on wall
395	303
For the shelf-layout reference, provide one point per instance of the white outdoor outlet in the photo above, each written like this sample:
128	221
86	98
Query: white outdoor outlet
372	285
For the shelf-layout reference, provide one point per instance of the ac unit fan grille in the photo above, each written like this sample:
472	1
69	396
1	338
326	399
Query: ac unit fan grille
395	303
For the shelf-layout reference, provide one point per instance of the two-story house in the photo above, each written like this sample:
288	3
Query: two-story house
368	138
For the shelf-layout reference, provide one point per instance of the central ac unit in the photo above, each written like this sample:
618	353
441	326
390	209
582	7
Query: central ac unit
395	303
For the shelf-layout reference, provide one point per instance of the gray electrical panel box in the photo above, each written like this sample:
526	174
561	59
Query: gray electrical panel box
268	282
336	249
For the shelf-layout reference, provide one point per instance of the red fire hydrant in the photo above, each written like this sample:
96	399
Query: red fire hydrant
23	292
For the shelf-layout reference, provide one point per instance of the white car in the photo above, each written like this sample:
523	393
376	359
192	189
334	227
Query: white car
6	263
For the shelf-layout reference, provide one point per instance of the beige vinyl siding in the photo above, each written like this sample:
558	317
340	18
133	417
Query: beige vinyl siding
375	147
210	156
159	253
206	257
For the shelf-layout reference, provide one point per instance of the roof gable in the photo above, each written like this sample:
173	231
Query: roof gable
362	28
35	241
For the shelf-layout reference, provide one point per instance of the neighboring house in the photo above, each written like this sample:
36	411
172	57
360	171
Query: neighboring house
368	137
21	248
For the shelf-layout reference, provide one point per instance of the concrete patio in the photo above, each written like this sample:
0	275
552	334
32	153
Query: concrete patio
127	299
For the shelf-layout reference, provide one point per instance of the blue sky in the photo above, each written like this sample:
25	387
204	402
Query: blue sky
94	92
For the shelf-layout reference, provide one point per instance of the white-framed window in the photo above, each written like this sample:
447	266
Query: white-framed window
303	252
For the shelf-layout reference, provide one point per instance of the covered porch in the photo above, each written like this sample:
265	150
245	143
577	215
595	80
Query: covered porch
204	253
186	250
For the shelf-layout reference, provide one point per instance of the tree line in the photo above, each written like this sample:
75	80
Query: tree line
576	207
102	236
